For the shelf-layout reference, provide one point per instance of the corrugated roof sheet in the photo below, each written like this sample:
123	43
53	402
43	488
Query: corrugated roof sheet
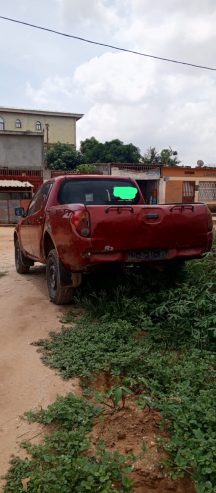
15	184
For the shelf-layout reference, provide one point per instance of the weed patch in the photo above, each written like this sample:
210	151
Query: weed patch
156	335
64	462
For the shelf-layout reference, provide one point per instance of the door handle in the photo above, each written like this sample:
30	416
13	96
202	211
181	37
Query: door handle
152	216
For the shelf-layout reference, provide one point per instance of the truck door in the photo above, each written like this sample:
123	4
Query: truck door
31	230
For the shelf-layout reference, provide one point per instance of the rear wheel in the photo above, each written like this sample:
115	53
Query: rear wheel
56	276
21	261
175	266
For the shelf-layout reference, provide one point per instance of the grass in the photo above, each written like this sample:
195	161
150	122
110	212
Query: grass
157	334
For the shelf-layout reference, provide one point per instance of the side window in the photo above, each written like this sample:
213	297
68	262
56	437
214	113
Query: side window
18	123
39	199
38	125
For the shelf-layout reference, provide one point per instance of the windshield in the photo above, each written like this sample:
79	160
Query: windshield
98	192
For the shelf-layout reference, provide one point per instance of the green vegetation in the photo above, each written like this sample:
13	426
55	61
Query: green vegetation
167	157
62	157
65	463
156	333
65	157
114	151
86	169
70	412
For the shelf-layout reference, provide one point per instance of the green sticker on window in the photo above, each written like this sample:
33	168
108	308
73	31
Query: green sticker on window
125	193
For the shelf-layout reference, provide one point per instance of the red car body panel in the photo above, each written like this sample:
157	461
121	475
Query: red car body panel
118	233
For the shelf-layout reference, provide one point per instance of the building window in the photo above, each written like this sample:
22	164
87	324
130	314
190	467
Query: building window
207	191
18	123
38	126
1	123
188	191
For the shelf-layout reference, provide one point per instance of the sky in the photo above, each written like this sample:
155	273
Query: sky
132	98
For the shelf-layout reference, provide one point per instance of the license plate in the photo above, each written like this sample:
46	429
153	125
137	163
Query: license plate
142	255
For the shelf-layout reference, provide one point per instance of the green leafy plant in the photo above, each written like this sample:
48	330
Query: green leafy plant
64	462
70	412
86	169
156	333
116	395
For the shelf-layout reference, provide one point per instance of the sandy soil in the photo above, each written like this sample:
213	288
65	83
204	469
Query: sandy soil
26	315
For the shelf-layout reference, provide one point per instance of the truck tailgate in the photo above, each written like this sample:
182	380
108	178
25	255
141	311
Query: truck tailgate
138	227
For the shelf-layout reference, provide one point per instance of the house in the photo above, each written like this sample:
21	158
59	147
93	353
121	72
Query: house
170	184
147	176
24	137
25	134
187	184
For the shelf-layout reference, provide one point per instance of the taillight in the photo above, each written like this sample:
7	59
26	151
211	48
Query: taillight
210	222
81	222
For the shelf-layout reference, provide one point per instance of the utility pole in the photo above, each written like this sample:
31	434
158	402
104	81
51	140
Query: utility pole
47	135
47	143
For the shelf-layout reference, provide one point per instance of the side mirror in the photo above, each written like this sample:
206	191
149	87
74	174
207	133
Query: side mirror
20	211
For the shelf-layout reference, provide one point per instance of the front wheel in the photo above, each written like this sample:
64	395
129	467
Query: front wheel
55	272
21	266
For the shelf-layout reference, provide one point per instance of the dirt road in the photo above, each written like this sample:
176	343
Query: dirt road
26	315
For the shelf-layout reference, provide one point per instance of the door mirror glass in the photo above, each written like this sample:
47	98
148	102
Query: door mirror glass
20	211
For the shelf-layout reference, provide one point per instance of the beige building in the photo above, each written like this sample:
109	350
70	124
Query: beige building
54	126
24	135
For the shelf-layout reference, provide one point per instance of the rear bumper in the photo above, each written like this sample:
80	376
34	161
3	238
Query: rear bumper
95	259
85	258
185	253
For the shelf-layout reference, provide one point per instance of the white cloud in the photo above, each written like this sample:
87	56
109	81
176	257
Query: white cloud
135	102
85	14
116	78
50	92
136	99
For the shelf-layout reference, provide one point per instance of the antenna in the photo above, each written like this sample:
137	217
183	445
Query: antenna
200	163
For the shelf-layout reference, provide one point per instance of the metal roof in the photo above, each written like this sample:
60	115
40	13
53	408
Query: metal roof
15	184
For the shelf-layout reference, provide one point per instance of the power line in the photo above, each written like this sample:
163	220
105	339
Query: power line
90	41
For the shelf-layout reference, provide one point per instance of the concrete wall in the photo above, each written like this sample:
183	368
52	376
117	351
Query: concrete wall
62	129
21	151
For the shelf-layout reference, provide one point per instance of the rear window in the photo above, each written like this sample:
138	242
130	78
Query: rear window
98	192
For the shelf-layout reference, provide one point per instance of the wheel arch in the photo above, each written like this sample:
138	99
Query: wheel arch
48	244
15	237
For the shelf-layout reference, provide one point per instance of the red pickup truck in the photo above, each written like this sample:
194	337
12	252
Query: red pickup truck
76	223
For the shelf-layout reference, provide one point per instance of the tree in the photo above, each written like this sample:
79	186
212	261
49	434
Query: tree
86	169
167	157
114	151
151	156
63	156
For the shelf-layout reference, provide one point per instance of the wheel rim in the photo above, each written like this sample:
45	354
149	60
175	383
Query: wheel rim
53	276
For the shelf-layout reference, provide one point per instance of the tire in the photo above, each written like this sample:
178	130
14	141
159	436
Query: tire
21	266
174	270
175	266
56	276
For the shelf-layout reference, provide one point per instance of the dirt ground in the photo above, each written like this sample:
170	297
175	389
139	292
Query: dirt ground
135	431
26	315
